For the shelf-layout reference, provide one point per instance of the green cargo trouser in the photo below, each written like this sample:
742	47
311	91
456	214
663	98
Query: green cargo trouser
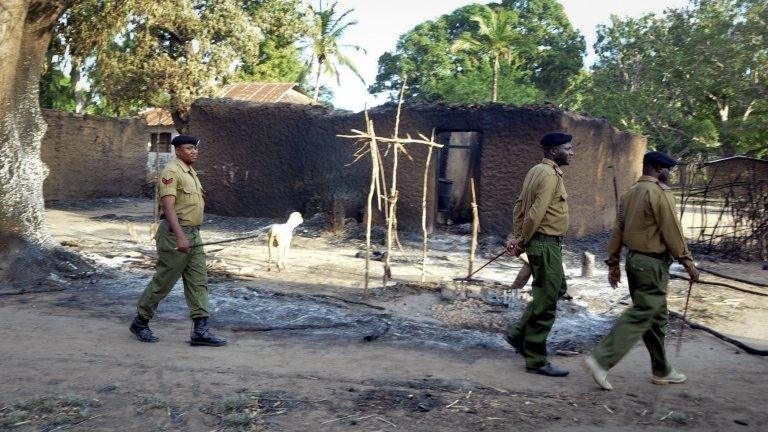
647	318
545	256
172	264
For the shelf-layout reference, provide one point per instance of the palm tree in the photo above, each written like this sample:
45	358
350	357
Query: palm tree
325	34
495	37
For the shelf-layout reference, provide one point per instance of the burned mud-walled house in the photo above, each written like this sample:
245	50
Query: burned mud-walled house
269	159
92	156
737	175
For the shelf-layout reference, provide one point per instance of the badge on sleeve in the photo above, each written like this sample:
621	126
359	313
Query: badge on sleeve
167	181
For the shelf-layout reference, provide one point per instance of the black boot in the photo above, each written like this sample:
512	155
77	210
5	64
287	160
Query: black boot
201	334
140	328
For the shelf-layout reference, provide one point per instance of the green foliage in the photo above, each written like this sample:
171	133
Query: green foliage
693	80
447	59
472	86
274	64
283	23
167	53
56	90
327	28
493	40
175	50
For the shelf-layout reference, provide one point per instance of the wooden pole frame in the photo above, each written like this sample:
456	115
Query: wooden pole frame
378	183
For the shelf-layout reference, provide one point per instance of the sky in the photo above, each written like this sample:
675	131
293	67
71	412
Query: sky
380	23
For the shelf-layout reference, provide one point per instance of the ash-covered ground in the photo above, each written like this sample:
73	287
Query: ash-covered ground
322	293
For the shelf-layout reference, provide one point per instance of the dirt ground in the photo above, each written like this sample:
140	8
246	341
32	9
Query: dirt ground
311	351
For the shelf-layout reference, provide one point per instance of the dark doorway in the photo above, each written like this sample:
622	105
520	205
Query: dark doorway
457	163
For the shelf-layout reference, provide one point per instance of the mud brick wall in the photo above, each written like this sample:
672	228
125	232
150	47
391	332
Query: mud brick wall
601	154
270	159
752	174
92	156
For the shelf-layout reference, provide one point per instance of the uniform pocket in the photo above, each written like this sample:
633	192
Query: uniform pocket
188	195
534	249
165	240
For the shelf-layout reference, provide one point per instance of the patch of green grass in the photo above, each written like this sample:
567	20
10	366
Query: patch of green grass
47	412
233	403
149	402
73	400
9	418
238	419
240	411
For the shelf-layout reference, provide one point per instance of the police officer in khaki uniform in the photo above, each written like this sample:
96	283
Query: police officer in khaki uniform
540	222
182	203
648	225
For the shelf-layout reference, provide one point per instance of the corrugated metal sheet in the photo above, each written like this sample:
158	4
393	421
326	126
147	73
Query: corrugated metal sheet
253	92
733	158
157	117
256	92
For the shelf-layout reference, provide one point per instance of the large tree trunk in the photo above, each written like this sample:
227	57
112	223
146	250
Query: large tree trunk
180	120
78	86
27	252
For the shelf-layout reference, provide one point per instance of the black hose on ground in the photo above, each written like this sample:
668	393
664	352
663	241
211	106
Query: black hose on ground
748	291
748	349
725	276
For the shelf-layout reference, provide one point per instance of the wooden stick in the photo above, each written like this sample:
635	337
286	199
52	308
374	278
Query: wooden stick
503	251
392	199
475	228
67	426
340	418
362	135
387	422
369	209
381	196
424	213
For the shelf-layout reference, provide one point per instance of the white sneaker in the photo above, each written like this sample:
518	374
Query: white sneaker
599	374
673	378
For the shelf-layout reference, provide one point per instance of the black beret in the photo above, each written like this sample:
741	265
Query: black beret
555	139
659	158
184	139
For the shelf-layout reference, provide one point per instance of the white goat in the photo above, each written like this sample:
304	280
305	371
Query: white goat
280	236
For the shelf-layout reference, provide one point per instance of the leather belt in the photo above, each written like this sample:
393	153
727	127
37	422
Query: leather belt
165	225
661	256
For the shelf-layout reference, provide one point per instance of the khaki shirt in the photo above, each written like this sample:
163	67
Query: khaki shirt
648	222
180	180
542	205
